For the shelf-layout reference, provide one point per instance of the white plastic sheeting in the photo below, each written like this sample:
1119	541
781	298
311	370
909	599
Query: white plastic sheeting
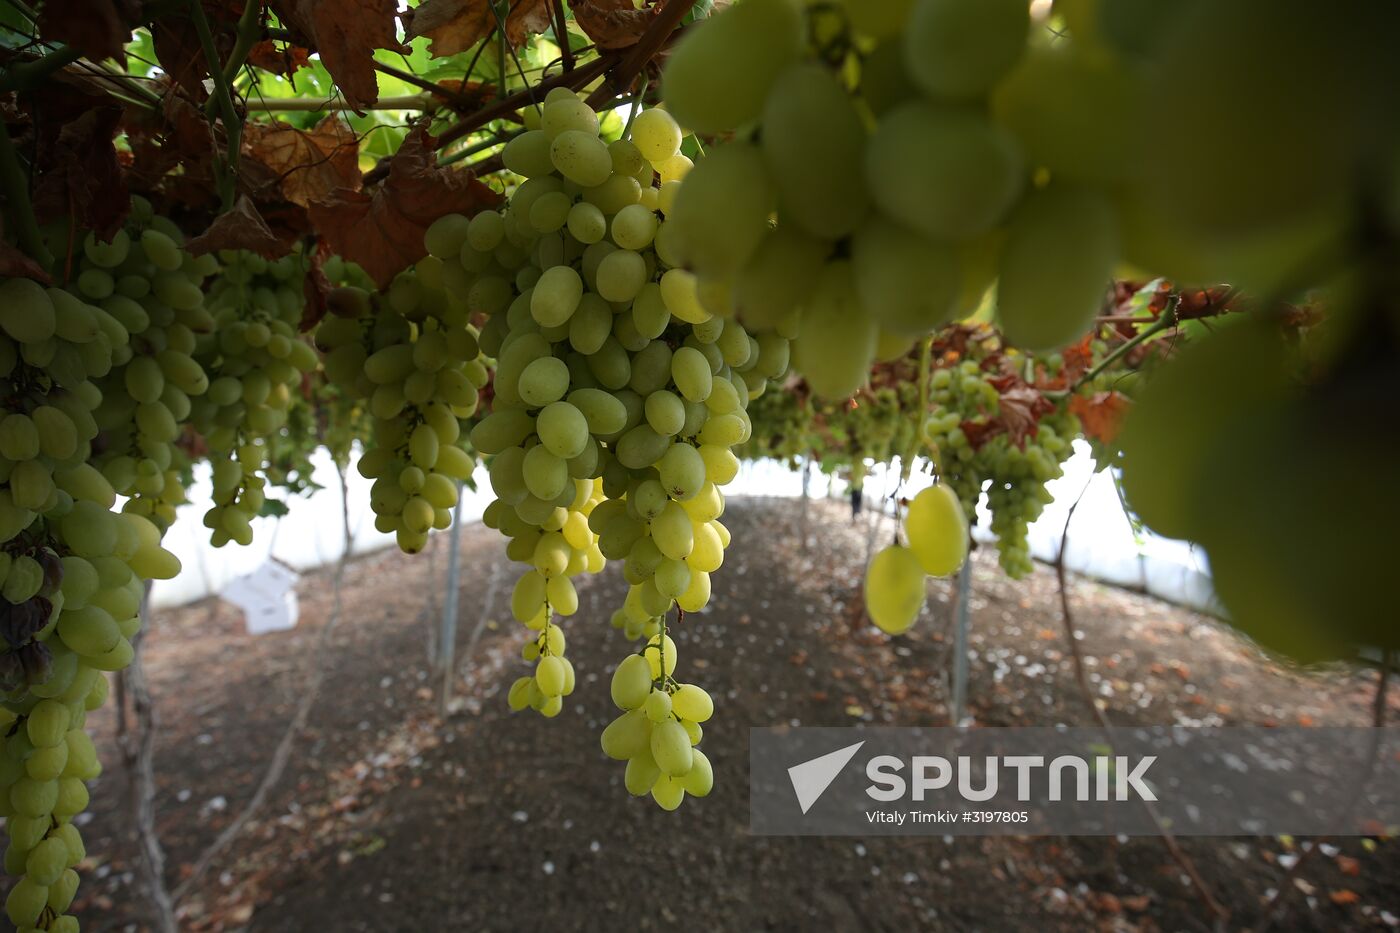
1101	540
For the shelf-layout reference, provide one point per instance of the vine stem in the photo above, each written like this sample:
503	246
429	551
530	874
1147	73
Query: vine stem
15	184
647	46
561	32
223	98
27	74
1184	861
336	102
1165	321
249	30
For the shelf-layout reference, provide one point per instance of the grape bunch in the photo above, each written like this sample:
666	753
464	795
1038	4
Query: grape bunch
892	144
152	288
1014	475
619	388
411	354
659	727
255	361
72	570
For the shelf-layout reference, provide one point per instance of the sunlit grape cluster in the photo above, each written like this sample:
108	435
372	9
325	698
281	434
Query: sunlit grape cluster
618	389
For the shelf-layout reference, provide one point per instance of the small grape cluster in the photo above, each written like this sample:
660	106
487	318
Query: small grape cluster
659	727
412	354
1013	475
256	362
153	288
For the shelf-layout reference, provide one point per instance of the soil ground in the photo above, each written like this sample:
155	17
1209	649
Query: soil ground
391	818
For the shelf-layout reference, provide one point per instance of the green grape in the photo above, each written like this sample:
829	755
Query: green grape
837	342
813	144
946	172
1056	267
563	430
961	48
627	736
582	158
656	135
620	275
894	589
544	381
938	530
1061	104
718	77
907	282
682	471
721	211
692	703
556	295
670	748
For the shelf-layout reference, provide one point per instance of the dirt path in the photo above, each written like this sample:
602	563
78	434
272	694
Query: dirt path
387	819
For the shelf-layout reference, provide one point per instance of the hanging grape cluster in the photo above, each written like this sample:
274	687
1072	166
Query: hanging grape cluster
618	393
255	361
73	570
412	355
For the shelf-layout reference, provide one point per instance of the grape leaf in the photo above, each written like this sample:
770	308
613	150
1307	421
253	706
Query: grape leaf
1100	415
77	176
383	230
453	26
527	18
309	164
317	288
1021	408
611	24
282	60
16	264
345	33
94	27
241	227
181	55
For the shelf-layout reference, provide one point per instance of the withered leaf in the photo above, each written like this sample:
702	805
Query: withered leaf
279	59
93	27
451	26
15	263
77	174
317	288
383	230
308	164
611	24
1101	414
241	227
345	33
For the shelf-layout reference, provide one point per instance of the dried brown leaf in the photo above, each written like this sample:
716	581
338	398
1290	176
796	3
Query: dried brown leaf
345	33
93	27
308	164
527	18
14	263
241	227
453	26
281	59
611	24
77	176
383	230
1101	414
